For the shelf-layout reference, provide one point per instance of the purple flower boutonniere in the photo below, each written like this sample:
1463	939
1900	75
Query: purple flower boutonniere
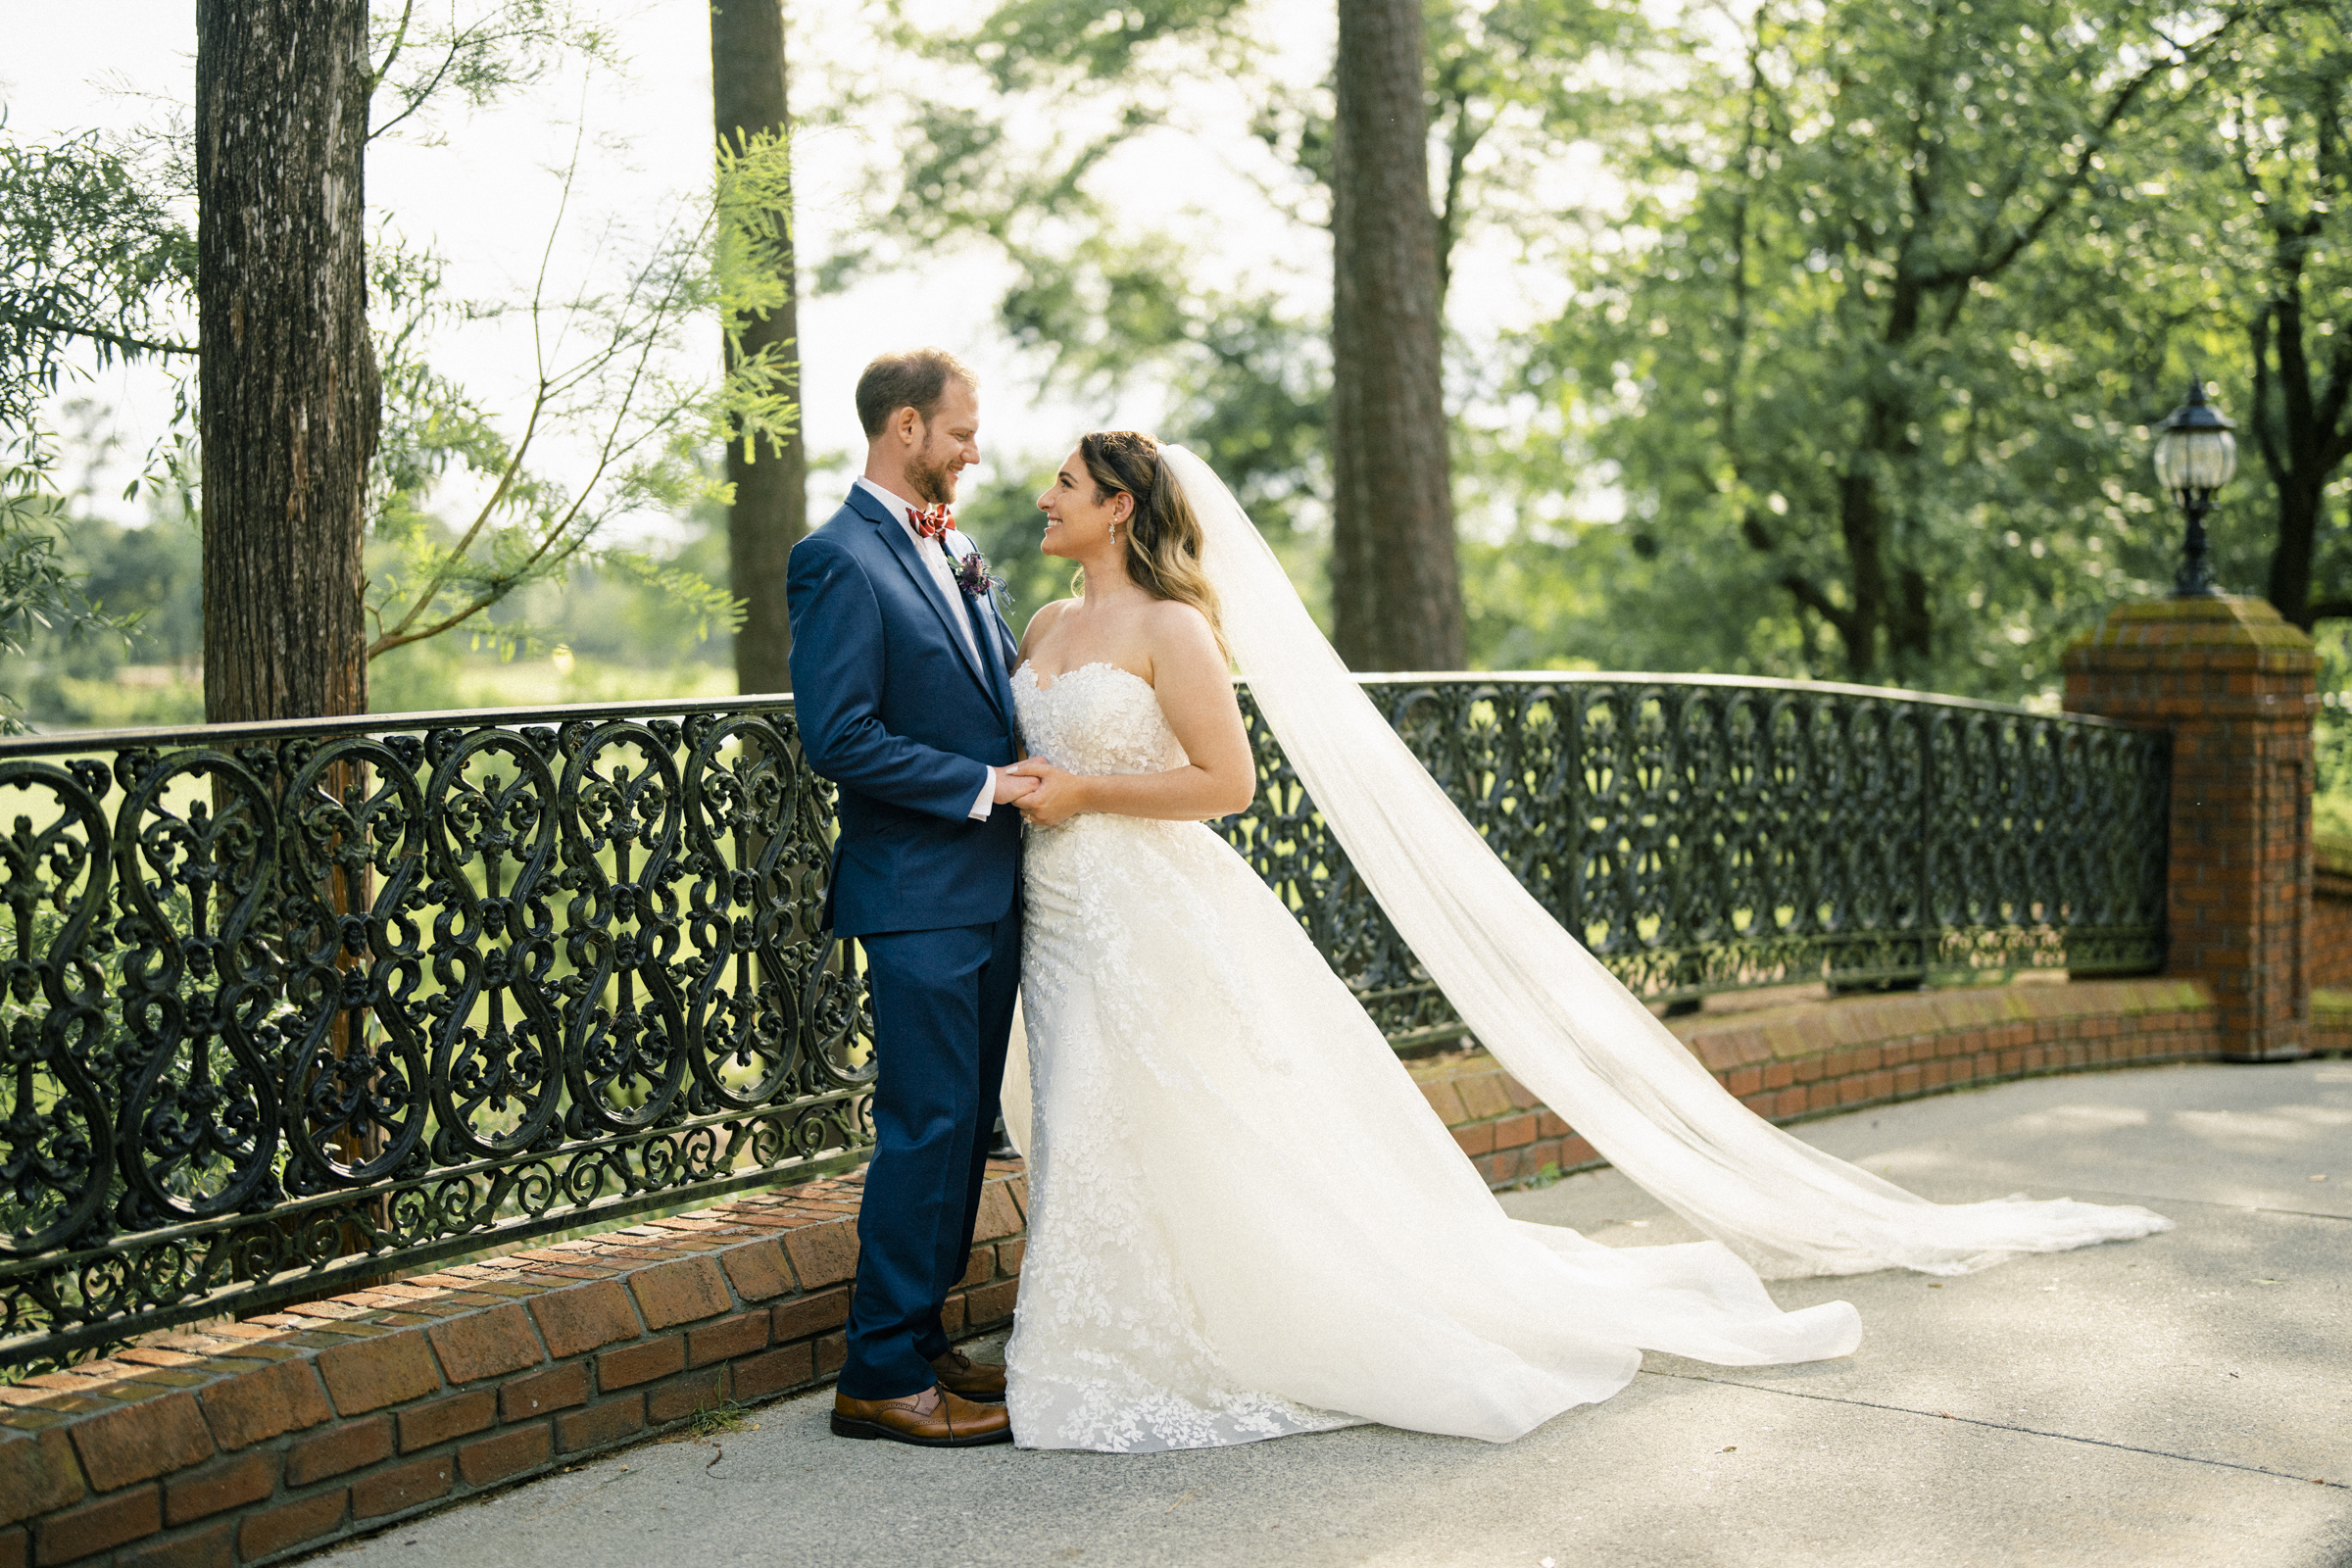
973	576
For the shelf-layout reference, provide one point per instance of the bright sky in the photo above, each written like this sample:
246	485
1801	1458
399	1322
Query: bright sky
486	197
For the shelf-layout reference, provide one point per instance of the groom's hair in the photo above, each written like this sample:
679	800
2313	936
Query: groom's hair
910	378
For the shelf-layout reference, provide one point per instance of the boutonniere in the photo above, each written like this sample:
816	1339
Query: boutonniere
973	576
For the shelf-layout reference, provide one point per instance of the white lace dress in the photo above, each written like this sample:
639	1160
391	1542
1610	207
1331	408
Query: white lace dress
1244	1218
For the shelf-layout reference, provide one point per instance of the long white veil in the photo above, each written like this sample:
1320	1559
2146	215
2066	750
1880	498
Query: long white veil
1546	1008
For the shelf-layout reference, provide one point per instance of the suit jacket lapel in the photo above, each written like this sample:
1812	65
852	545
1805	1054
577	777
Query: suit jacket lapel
894	537
985	625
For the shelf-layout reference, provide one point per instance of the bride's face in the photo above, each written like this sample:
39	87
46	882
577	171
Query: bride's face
1077	525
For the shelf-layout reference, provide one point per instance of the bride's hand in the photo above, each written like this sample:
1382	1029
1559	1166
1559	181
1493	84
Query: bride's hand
1058	798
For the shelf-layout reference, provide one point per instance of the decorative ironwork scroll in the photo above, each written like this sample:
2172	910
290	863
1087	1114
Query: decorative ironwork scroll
1705	834
283	1001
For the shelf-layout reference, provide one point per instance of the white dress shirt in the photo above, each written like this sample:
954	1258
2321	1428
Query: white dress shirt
943	579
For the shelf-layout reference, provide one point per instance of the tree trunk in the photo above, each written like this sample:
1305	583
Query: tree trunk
287	381
771	485
2302	442
2299	507
1858	526
1396	598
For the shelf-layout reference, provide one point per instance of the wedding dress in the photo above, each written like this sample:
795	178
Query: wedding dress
1244	1220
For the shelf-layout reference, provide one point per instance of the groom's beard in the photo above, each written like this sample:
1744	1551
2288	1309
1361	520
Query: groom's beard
931	480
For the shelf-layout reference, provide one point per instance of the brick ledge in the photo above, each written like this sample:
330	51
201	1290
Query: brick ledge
257	1442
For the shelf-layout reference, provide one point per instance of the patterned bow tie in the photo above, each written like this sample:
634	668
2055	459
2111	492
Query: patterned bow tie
933	522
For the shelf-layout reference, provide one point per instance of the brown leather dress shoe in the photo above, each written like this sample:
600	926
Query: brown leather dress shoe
979	1381
932	1419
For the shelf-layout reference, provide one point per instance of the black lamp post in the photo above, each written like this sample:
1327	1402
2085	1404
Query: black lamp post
2195	455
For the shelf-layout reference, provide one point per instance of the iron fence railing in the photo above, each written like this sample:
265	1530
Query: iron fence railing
1708	833
288	1004
285	1000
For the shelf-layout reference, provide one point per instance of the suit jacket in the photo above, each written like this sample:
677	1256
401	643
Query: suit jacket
892	709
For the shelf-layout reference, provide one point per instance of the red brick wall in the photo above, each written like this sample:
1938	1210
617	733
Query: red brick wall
2238	688
2332	915
249	1442
1789	1064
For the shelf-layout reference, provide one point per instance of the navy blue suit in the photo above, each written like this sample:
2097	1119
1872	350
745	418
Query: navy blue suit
894	712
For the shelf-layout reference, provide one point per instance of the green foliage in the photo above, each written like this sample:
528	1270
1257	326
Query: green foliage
426	56
1871	351
608	630
94	261
625	433
1105	303
599	388
1859	384
41	597
1247	380
752	273
1027	44
1525	81
631	433
97	263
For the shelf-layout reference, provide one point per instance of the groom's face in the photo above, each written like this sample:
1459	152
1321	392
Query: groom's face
949	440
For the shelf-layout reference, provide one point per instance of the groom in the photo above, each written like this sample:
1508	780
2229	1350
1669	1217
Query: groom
902	684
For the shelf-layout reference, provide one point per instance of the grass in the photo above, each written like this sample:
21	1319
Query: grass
719	1420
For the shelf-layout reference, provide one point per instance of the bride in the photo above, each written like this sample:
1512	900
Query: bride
1244	1220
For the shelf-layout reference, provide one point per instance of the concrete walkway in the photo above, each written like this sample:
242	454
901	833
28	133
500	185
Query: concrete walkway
2166	1401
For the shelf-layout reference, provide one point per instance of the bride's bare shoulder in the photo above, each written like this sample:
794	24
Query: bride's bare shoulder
1179	630
1046	614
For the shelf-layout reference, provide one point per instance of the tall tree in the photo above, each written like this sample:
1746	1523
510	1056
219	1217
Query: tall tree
287	376
1395	590
769	470
2289	131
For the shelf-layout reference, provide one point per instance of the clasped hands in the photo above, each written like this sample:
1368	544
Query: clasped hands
1047	796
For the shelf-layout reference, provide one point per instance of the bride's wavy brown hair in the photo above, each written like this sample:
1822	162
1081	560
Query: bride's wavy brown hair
1163	537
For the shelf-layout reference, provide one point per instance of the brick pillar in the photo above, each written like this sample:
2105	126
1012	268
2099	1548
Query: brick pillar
2237	687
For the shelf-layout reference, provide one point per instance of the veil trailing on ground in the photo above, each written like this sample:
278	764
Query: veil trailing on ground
1546	1008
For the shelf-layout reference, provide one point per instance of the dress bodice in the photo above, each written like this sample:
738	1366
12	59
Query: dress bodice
1095	719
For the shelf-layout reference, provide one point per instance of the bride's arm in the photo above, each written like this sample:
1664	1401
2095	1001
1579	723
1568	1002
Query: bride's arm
1188	673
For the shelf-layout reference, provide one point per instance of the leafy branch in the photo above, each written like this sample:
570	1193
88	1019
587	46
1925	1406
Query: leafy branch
512	44
92	258
599	383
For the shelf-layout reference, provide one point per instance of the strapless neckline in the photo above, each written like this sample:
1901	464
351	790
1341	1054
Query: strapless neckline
1094	719
1030	670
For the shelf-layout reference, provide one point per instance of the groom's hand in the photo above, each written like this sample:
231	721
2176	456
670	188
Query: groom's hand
1013	787
1053	797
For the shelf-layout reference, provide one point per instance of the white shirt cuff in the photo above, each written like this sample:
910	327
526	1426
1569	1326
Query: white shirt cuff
987	800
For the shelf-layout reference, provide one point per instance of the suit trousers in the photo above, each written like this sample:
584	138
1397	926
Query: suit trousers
943	1015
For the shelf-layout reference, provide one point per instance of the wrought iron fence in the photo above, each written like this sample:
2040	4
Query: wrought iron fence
1705	834
285	1002
282	1000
